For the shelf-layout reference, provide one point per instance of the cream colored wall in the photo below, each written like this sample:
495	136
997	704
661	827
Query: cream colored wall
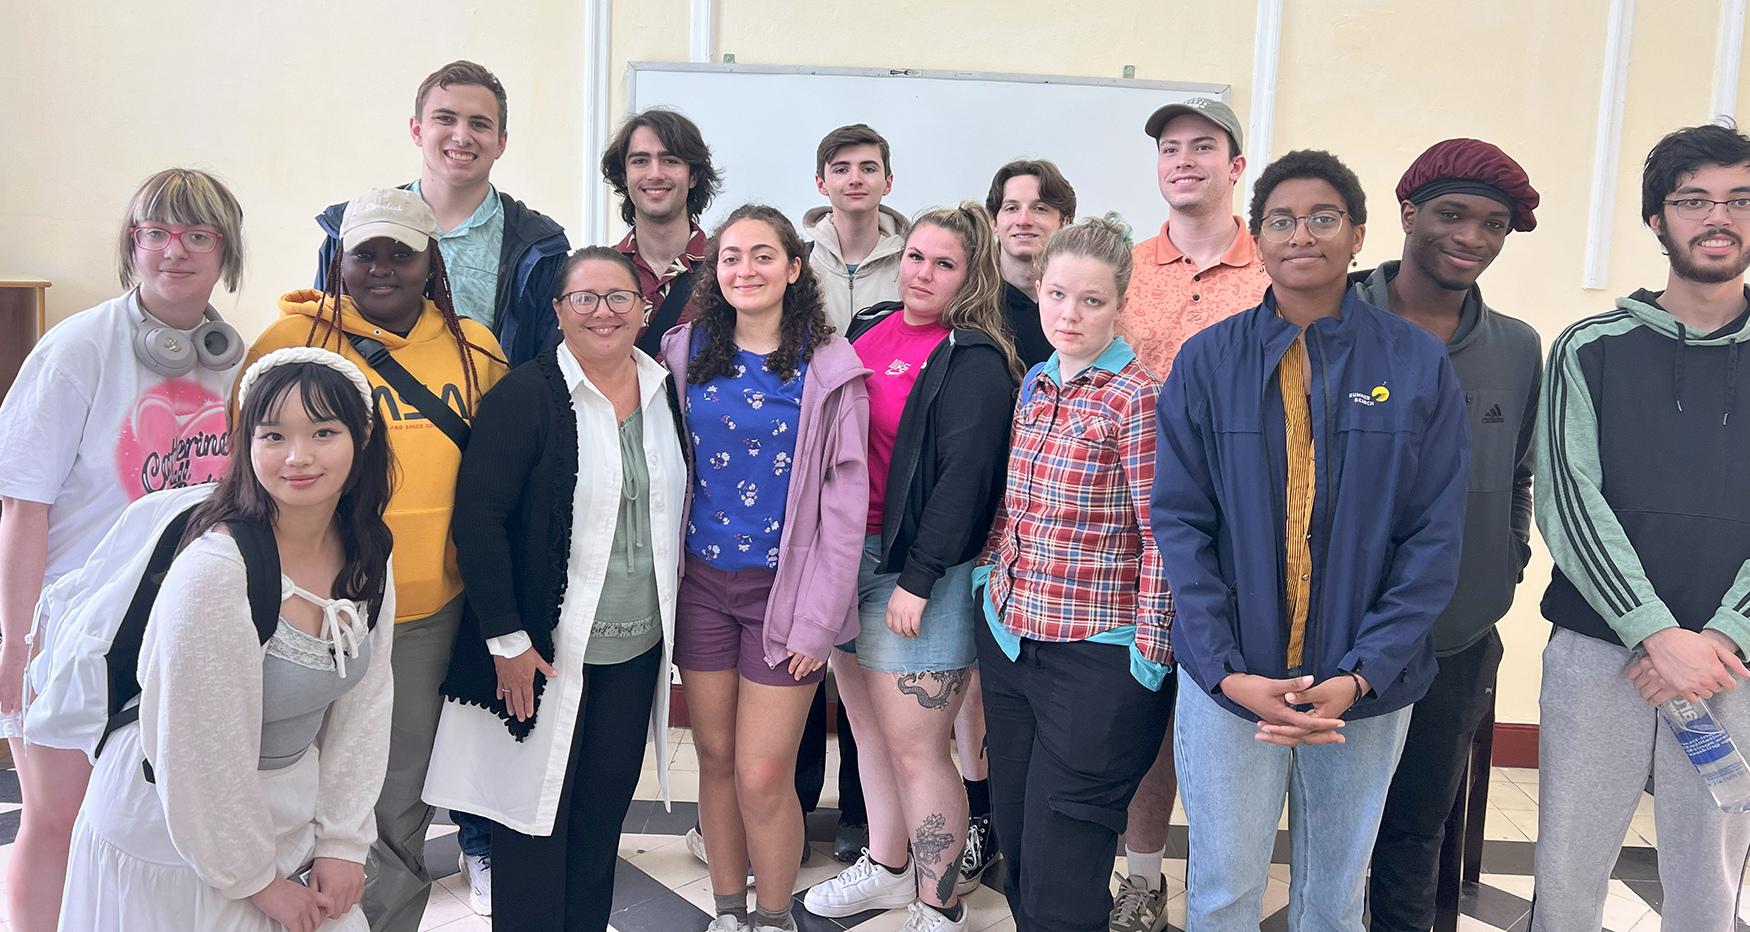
302	104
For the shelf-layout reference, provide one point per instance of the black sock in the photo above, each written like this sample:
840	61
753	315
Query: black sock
977	797
896	871
952	912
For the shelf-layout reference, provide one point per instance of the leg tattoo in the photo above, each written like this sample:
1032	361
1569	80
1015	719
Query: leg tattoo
927	850
947	683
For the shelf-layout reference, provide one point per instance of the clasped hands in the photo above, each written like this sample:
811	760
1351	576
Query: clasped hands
334	889
1678	662
1273	702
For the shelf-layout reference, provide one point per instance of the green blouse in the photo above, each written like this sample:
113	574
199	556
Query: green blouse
628	617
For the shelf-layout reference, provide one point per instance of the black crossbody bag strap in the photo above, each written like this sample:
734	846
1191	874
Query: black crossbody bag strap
669	314
412	390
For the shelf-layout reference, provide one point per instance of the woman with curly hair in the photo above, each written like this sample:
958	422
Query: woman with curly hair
778	419
939	403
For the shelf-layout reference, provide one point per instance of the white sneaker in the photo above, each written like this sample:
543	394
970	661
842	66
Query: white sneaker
726	923
927	919
479	871
696	847
861	887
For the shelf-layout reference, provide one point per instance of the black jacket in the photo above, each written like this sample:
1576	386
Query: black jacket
1022	313
512	527
528	276
950	456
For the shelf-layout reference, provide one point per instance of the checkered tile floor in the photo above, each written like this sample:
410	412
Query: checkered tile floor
660	887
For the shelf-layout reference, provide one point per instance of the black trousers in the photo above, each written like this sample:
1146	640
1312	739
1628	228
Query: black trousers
1070	734
811	763
1406	856
564	882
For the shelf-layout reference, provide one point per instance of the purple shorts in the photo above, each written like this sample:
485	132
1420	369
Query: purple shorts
720	624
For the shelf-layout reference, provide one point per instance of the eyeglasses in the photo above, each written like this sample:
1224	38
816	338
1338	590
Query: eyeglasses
620	300
158	239
1279	228
1701	208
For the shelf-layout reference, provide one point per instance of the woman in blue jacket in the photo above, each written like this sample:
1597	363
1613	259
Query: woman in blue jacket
1308	504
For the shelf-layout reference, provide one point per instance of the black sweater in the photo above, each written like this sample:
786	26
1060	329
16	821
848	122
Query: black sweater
950	456
512	526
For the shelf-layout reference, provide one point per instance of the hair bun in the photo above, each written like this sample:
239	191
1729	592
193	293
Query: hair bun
1115	220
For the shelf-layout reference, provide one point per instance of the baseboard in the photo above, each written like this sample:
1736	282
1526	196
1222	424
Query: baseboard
1515	745
1515	742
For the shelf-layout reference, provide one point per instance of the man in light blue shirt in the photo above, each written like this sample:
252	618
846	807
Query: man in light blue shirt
471	254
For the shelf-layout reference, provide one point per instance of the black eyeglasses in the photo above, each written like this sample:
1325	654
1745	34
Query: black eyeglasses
620	300
1701	208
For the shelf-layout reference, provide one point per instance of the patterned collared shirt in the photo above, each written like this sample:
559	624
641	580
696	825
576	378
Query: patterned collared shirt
472	252
654	283
1170	299
1071	549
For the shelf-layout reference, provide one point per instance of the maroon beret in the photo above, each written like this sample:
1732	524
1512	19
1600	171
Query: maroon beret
1471	166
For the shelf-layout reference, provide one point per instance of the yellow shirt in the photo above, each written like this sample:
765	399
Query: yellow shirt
426	460
1297	424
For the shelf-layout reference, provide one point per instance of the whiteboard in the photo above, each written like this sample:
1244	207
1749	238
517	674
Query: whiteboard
949	131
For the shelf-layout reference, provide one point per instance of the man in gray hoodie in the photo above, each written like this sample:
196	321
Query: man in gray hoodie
1459	200
857	240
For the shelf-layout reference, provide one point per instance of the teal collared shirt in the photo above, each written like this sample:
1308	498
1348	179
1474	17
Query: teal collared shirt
1147	672
471	254
1116	356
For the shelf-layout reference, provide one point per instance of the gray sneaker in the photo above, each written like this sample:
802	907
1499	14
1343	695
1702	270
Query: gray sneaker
1136	908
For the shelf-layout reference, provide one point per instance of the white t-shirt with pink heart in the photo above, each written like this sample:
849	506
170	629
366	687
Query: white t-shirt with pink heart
87	428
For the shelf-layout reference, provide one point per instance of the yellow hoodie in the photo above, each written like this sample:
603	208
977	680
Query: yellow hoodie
426	577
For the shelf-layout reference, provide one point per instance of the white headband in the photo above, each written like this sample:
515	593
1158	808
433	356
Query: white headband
315	354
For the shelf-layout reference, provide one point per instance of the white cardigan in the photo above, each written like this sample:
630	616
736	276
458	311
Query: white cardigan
476	766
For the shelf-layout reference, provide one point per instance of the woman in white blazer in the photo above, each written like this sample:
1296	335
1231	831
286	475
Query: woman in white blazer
569	509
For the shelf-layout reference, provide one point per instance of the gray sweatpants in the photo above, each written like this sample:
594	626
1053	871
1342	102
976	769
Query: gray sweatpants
395	896
1597	742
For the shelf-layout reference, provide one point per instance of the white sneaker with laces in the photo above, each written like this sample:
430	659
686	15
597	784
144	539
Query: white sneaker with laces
928	919
726	923
479	871
861	887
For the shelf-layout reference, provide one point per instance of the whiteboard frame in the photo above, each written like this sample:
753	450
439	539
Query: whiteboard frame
1219	91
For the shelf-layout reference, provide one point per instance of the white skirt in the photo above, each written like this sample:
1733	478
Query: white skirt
125	875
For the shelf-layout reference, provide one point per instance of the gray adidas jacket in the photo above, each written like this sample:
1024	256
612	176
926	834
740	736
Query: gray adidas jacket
1499	362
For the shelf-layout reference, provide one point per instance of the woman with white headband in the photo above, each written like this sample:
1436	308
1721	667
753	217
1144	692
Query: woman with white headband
242	800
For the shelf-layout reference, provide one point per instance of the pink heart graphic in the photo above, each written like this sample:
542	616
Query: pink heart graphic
175	436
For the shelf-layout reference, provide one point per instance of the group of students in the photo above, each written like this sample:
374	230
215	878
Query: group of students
1006	473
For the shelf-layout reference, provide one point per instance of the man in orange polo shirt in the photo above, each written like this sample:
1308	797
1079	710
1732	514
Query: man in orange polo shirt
1200	269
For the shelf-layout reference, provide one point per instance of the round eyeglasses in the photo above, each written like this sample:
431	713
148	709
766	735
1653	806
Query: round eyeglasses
620	300
1322	224
158	239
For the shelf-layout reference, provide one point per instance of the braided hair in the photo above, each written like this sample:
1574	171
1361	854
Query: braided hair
440	296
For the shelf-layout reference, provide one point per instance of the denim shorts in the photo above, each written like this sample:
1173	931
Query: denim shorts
944	640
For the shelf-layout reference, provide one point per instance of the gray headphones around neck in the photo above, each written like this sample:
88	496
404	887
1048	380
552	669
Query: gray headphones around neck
168	351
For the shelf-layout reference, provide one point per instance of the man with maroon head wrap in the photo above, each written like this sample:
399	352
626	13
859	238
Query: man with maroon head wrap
1458	202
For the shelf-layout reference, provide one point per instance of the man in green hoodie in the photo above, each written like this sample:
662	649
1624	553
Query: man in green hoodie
1643	495
1458	202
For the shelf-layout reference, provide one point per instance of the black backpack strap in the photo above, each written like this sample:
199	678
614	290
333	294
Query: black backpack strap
123	658
412	390
680	290
680	420
261	564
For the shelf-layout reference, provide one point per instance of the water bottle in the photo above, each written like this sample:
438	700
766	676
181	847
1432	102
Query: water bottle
1709	748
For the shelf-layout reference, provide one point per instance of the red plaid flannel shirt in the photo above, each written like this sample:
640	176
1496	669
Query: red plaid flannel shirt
1071	548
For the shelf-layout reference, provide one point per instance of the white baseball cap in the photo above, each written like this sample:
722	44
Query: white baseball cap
396	213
